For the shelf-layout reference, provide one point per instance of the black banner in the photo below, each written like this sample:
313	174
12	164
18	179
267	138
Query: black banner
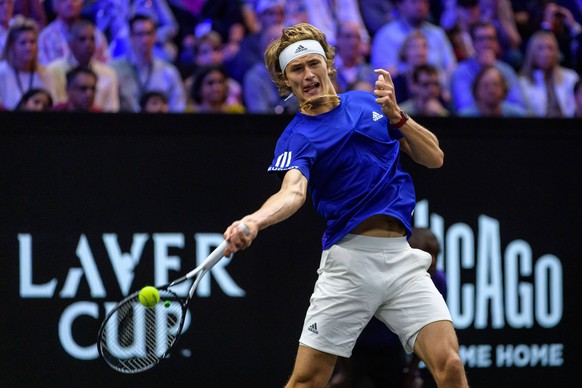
93	207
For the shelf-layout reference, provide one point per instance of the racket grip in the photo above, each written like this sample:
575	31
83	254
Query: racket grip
244	228
216	255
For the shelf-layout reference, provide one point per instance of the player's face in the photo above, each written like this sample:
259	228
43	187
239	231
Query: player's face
308	77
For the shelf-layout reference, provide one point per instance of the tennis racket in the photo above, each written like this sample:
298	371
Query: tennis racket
134	338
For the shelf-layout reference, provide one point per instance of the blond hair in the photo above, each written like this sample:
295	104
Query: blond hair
290	35
18	25
528	67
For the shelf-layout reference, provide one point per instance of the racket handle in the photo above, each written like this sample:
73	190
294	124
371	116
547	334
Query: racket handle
244	228
216	255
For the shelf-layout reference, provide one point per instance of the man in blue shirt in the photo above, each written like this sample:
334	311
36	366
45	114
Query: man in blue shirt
345	149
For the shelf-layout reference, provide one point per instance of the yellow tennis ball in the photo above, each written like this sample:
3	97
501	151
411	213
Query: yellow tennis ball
149	296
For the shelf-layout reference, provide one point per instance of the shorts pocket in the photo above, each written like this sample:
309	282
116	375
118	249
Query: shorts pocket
424	258
323	261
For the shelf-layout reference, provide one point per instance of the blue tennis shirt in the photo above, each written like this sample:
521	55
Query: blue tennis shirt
350	157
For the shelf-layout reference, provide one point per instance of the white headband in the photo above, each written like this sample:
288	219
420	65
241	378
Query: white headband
299	49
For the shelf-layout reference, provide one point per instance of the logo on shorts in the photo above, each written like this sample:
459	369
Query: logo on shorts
313	328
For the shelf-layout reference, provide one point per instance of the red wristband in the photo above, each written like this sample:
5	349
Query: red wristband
403	119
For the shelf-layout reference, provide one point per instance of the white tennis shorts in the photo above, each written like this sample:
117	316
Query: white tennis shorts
363	276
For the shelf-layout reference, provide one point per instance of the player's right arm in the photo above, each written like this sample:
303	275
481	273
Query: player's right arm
280	206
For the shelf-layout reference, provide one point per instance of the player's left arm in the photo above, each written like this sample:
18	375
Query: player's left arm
418	142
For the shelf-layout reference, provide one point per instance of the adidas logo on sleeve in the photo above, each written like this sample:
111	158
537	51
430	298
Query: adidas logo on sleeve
376	116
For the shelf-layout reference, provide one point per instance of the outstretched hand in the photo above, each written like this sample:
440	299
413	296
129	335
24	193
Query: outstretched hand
386	96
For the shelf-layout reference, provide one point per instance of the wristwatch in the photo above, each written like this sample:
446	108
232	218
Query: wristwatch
403	119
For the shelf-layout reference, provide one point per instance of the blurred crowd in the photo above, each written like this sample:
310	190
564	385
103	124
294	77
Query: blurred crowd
518	58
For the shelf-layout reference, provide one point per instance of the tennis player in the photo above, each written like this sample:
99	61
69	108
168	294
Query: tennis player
345	148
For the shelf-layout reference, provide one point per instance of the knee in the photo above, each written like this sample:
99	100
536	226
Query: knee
450	372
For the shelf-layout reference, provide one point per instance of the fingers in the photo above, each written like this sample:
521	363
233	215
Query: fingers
239	237
384	87
384	90
385	93
384	77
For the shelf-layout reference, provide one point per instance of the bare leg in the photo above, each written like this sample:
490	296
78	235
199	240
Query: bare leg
313	368
438	347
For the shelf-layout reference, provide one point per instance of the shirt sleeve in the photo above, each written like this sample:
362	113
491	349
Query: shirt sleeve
293	151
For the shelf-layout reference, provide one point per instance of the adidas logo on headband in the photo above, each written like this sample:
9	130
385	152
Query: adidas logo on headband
299	49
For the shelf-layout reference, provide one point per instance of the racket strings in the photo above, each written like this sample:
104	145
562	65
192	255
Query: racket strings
134	338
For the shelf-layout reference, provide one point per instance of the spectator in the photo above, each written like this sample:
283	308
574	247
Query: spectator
203	16
141	72
260	92
327	15
414	52
81	41
578	99
6	12
378	360
269	12
81	87
209	52
547	87
528	16
413	15
154	102
19	68
484	36
568	32
31	9
113	17
210	91
466	14
52	41
425	240
497	12
427	94
35	100
295	13
351	64
376	13
249	17
490	92
166	26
